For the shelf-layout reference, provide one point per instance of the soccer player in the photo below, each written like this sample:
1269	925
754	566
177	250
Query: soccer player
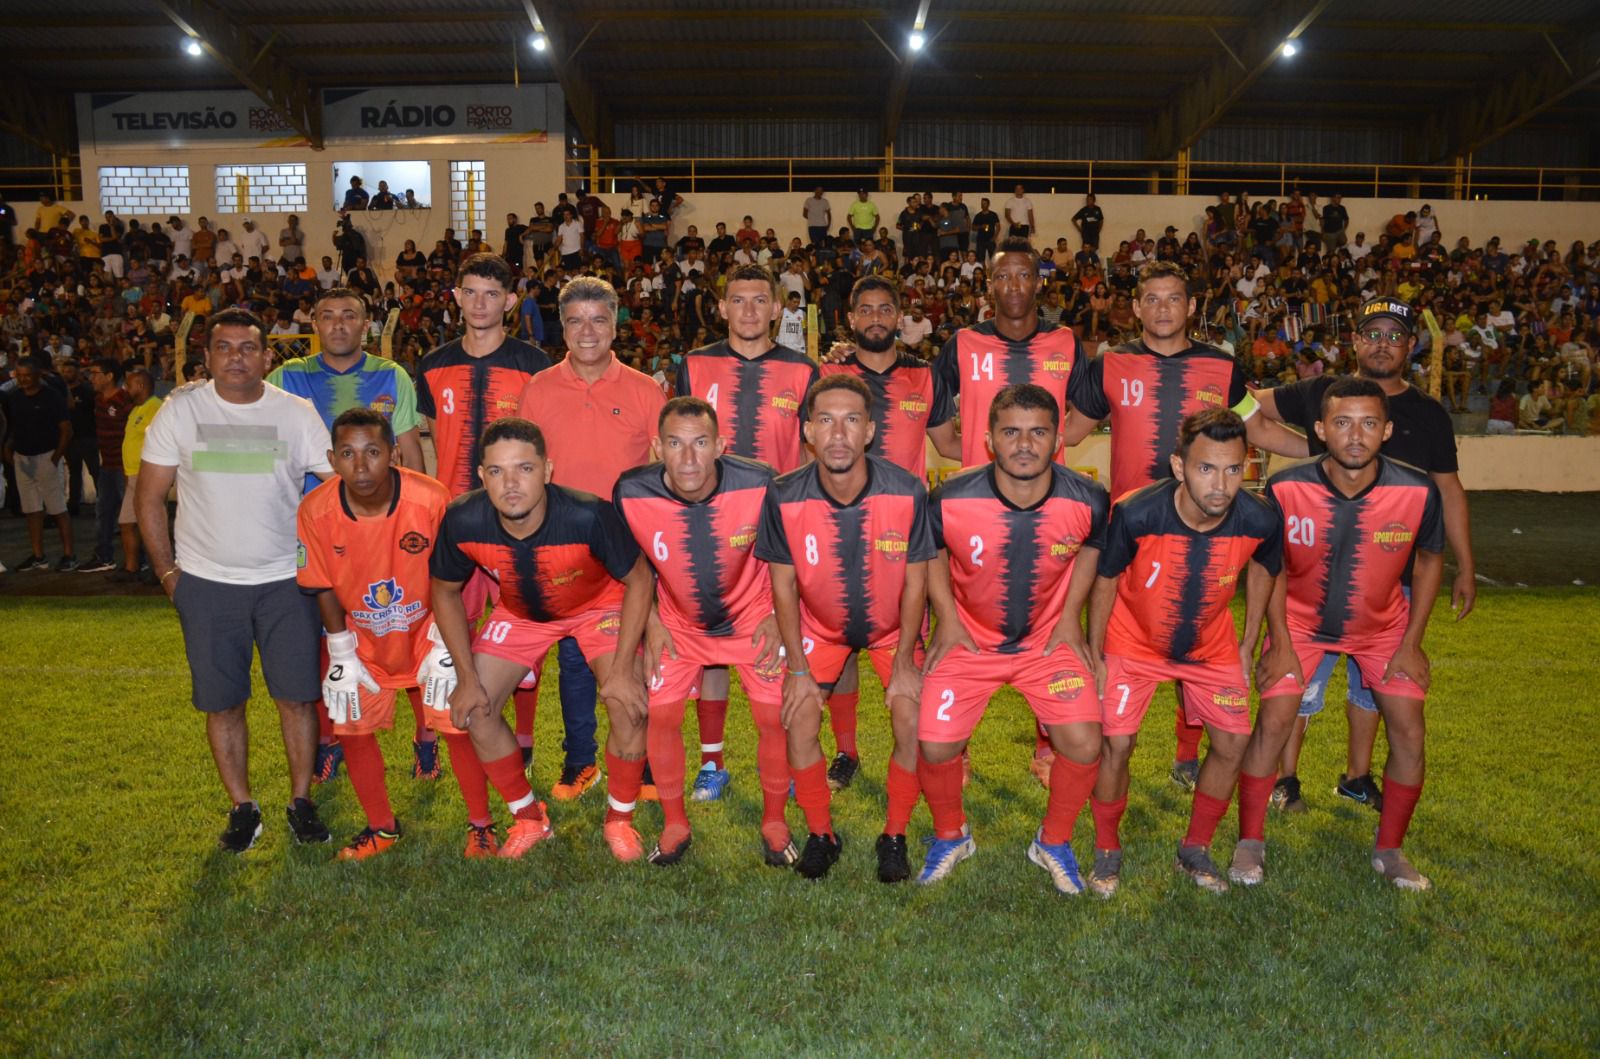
694	513
1355	520
365	536
1422	437
343	376
1159	611
1018	544
566	566
1146	388
910	404
601	416
756	386
464	386
848	543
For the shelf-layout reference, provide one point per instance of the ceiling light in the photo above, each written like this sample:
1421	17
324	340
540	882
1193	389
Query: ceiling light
192	46
917	40
540	42
1289	49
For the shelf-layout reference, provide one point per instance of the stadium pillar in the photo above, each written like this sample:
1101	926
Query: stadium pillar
1181	173
594	169
886	174
1458	177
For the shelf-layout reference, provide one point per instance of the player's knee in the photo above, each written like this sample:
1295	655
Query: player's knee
1117	749
939	753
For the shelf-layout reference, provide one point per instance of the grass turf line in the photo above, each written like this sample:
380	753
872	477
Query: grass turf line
124	931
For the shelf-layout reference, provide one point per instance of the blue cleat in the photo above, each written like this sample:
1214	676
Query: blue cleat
425	765
1059	862
943	855
329	757
710	783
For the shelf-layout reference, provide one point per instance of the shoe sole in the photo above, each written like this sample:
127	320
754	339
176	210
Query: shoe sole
1038	857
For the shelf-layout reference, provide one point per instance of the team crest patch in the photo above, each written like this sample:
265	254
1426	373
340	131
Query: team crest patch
383	404
1210	397
743	537
1066	685
1231	699
1394	537
1064	550
414	543
385	609
892	546
914	408
787	404
610	624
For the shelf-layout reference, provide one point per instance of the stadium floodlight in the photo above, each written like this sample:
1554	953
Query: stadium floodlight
540	42
1290	48
917	40
192	46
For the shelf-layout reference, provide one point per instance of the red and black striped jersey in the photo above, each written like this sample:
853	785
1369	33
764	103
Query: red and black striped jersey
1147	396
575	561
1176	583
708	579
757	399
1347	556
463	394
906	400
849	559
1009	566
978	362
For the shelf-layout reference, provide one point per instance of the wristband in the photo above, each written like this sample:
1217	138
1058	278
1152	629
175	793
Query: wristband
799	672
169	573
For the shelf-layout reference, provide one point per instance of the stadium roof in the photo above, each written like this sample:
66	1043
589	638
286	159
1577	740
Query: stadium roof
1456	74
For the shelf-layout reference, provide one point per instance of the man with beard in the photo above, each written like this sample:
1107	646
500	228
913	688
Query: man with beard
1355	521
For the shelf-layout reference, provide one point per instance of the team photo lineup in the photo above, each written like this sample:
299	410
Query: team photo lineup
770	516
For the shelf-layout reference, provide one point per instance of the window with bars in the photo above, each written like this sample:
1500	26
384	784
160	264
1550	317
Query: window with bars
468	204
264	188
136	189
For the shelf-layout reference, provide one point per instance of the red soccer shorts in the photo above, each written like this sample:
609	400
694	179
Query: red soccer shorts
476	595
680	677
956	694
1372	656
527	642
1216	695
826	660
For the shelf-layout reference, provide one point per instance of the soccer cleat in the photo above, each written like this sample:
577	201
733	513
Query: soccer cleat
623	838
1393	865
710	783
329	757
244	827
480	842
1059	862
527	757
97	566
66	564
304	823
574	781
666	858
777	847
893	864
1249	867
1361	789
425	760
1286	795
36	562
1185	773
842	772
943	855
1106	875
1196	863
1040	766
524	833
369	843
820	854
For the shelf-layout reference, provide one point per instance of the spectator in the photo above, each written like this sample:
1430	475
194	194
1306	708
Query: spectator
111	407
1019	214
1089	220
356	196
1533	412
144	405
39	429
1503	412
83	461
863	215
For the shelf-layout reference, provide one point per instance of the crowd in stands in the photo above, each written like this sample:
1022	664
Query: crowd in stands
1276	283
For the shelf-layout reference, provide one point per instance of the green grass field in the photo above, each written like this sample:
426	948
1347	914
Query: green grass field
125	932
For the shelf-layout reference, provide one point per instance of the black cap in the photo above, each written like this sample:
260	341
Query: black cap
1392	308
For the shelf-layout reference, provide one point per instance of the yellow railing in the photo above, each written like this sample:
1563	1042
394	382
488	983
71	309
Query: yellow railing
63	178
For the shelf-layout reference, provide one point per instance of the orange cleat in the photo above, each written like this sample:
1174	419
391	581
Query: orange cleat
481	842
369	843
574	782
525	833
623	839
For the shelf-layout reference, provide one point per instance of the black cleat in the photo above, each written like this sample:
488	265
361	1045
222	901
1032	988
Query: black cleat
527	757
666	858
1361	789
244	827
893	865
820	854
1286	795
842	772
306	825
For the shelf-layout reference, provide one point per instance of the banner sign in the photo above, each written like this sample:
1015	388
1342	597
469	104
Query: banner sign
443	114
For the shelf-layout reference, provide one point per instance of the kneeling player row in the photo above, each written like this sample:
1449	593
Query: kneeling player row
704	560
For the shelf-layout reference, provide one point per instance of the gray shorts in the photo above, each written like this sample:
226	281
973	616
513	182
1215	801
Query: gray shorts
223	624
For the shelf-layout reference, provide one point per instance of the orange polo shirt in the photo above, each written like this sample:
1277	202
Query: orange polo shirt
593	431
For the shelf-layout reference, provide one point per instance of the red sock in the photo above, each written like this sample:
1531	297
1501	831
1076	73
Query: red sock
623	780
470	777
842	718
664	748
904	790
423	733
1399	802
508	778
1254	794
772	757
811	791
1204	817
1107	819
712	715
525	703
325	734
1187	735
1070	786
364	758
941	785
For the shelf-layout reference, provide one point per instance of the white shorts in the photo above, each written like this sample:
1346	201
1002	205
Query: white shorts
41	484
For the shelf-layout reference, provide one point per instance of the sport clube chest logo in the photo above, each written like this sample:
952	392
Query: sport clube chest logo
385	608
892	546
1209	396
914	407
1394	537
742	538
1064	550
787	404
